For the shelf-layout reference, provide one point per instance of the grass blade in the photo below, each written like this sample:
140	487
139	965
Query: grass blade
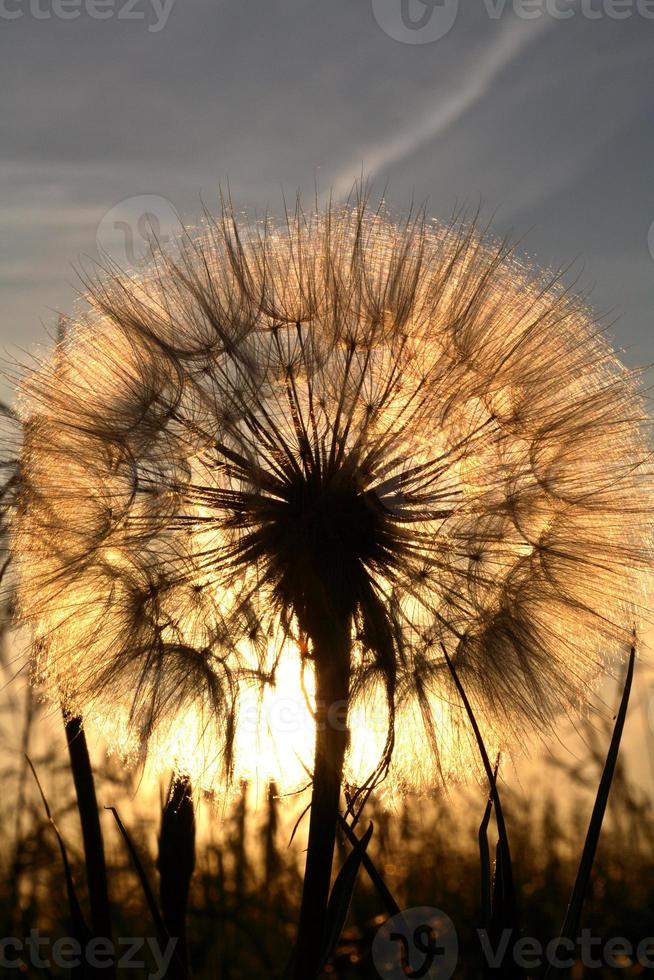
384	893
80	928
573	916
503	913
484	856
142	876
341	896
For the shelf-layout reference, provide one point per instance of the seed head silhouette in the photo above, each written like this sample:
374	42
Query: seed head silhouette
367	440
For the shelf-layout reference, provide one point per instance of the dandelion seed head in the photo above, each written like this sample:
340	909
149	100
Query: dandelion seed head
399	426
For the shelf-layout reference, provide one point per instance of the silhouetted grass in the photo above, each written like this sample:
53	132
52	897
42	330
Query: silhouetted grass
244	895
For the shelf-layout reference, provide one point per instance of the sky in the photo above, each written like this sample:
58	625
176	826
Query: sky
119	113
544	121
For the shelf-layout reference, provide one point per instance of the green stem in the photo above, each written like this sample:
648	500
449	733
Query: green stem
332	658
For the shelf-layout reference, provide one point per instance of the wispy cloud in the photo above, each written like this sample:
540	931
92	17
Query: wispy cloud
375	158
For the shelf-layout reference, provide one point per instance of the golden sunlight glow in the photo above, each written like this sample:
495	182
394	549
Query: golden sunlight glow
275	735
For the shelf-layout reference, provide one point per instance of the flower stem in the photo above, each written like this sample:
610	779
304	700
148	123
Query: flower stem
87	805
332	658
176	863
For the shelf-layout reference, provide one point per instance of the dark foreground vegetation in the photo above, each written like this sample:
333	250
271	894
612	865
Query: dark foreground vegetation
246	885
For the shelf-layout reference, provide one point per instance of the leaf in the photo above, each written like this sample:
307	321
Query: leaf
341	896
484	856
81	930
384	892
573	916
503	912
142	876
